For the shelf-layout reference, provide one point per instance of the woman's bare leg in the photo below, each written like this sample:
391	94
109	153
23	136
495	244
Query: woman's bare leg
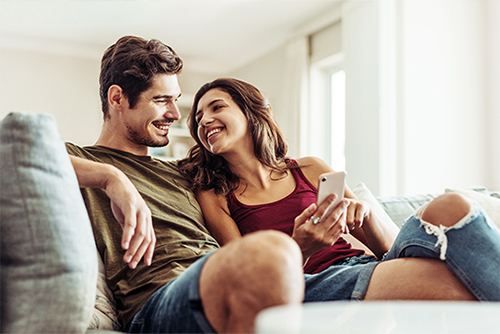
423	279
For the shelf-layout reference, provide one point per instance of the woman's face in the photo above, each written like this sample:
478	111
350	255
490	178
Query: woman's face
222	126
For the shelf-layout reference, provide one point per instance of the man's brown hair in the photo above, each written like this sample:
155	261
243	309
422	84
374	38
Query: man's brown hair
132	63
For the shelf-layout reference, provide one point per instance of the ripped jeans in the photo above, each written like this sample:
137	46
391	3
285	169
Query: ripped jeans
470	249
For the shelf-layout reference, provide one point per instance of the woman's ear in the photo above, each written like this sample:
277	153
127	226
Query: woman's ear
116	99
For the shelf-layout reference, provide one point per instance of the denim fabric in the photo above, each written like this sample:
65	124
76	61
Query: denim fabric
470	249
176	307
344	281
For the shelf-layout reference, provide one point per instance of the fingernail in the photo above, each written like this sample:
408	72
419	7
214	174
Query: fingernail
133	264
125	245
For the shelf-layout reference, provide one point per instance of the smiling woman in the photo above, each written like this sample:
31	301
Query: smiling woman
241	118
220	124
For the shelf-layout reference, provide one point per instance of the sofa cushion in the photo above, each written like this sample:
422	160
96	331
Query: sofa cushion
399	208
48	258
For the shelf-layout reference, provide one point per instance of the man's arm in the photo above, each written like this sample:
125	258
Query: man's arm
129	208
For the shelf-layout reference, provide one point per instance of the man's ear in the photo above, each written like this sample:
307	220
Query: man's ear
116	99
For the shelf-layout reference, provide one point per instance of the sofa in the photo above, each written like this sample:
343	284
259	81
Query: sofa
52	279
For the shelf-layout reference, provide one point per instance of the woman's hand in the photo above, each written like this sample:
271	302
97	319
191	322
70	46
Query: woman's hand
313	235
357	213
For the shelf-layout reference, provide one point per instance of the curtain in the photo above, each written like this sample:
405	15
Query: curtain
296	95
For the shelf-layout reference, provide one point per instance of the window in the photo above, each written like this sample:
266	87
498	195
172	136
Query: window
327	111
337	112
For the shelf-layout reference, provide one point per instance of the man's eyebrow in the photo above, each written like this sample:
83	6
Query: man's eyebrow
165	97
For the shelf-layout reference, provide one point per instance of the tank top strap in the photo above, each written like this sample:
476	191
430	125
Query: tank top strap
300	179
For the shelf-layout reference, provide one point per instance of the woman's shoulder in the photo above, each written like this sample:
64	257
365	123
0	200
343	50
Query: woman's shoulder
314	163
313	167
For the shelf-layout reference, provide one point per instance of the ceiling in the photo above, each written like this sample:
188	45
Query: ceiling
212	36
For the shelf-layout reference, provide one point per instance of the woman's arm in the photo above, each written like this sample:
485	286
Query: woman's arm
217	217
367	227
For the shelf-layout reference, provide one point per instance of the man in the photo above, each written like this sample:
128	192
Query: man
139	90
142	208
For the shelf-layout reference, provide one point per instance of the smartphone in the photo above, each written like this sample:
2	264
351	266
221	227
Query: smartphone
331	183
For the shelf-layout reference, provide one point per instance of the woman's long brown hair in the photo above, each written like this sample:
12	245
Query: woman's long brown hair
210	171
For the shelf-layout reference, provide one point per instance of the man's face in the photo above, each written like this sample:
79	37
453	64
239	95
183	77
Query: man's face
149	121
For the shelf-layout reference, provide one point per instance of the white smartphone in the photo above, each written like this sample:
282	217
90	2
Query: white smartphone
331	183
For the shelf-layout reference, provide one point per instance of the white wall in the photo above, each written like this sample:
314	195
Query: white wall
360	45
444	82
66	87
493	93
443	115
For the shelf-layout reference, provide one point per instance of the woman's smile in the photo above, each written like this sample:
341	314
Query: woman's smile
213	133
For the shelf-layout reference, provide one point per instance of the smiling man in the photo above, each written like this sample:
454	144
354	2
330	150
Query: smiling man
142	208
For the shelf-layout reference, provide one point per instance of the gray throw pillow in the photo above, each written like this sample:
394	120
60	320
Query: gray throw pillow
48	258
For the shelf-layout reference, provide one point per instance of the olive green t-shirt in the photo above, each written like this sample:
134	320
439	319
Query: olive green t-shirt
182	237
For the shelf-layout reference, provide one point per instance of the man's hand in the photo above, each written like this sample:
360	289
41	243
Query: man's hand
129	208
134	216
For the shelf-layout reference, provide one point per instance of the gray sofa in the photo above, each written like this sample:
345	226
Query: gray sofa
49	267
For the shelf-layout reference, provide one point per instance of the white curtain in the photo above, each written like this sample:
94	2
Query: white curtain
296	89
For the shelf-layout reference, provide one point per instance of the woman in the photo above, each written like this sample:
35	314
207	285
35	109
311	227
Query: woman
244	183
243	179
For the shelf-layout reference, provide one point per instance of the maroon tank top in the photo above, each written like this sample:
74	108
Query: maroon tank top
280	215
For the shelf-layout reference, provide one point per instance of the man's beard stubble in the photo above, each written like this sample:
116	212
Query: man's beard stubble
146	141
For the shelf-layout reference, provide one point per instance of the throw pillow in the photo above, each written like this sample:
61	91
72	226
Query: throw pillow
48	262
363	193
105	316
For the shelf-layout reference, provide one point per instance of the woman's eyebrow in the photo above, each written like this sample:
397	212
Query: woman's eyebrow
210	104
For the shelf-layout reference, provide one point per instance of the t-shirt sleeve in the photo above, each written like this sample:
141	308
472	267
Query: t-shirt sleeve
74	149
